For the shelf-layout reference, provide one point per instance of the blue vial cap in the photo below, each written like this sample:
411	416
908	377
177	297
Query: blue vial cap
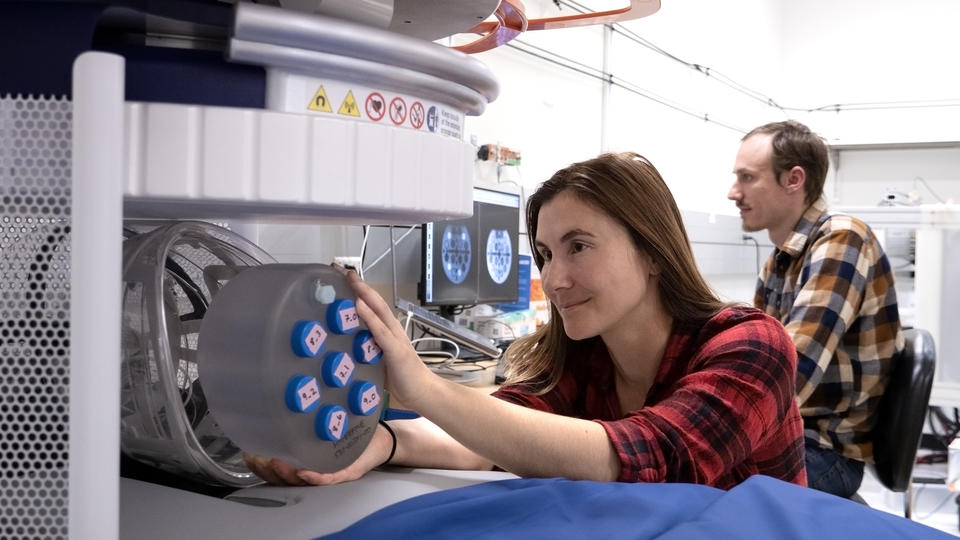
342	316
331	423
338	369
308	339
365	349
364	398
302	394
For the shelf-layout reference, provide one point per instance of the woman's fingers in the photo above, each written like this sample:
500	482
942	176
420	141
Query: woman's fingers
314	478
380	328
285	472
280	473
378	306
260	466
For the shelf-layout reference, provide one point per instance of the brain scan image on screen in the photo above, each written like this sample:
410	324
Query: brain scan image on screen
455	252
499	255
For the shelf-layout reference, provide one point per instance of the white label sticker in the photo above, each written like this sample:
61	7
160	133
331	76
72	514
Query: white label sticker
315	338
344	370
308	394
369	400
349	318
337	421
370	350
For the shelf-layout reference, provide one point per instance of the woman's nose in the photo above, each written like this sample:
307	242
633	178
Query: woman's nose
554	277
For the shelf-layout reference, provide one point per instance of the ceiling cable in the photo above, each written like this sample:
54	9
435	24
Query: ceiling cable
756	95
595	73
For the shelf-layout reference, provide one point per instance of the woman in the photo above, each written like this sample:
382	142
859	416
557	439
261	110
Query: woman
641	374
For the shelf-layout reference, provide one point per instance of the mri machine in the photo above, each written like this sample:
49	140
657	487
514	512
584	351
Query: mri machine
140	115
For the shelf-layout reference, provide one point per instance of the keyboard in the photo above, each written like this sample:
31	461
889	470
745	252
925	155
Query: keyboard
449	329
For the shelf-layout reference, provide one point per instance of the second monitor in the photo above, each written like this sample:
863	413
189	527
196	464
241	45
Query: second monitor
473	260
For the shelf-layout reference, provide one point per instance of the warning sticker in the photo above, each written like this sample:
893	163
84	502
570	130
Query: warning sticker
449	124
349	105
417	115
303	94
320	102
375	106
398	110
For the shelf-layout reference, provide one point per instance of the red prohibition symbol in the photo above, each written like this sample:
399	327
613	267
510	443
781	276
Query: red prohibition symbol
398	110
375	106
417	115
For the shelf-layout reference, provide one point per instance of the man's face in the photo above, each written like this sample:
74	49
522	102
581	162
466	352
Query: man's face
762	201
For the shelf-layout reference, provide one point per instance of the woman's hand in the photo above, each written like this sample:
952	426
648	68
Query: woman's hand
281	473
408	378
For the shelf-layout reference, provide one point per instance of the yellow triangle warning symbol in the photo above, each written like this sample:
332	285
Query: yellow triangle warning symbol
320	101
349	105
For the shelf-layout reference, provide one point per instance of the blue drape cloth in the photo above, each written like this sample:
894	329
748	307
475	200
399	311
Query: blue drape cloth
555	508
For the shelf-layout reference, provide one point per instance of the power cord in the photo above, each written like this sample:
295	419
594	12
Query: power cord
756	246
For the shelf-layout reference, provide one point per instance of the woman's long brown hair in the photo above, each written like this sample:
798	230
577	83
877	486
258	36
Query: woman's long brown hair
628	188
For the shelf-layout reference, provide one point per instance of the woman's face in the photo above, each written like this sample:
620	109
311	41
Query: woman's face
592	272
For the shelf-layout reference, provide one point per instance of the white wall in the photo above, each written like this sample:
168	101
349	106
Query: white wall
553	115
801	54
804	55
861	51
925	175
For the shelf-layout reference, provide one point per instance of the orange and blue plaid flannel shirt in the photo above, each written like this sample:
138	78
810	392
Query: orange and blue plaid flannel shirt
832	287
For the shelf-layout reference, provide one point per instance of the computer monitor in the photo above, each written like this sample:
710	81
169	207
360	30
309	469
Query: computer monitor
473	260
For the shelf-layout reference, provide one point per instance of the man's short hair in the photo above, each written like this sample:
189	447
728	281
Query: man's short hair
794	144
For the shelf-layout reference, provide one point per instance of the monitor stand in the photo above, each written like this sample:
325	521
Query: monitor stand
448	328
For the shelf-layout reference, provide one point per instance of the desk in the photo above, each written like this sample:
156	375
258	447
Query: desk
484	384
150	511
485	369
487	373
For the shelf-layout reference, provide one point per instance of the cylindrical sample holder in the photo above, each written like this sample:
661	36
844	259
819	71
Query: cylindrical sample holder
261	353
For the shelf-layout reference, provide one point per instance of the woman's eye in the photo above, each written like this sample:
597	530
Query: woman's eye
577	247
545	255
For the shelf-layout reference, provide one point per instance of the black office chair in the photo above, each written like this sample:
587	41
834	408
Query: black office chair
901	415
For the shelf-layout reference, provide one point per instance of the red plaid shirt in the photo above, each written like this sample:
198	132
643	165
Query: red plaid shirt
721	409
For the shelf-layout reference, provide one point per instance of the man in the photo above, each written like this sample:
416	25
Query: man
830	284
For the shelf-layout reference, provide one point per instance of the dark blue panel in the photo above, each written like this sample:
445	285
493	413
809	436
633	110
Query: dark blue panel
42	39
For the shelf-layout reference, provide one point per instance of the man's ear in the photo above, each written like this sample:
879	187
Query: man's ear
795	179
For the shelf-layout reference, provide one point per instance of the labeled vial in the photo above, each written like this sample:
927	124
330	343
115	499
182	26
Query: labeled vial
302	394
364	398
338	369
342	317
365	349
331	423
308	339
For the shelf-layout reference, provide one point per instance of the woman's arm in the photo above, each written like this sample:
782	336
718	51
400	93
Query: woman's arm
520	440
421	443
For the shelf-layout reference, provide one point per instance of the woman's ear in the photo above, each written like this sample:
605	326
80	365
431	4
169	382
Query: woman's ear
652	264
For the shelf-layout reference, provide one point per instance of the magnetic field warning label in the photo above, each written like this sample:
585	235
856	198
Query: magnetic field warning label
382	106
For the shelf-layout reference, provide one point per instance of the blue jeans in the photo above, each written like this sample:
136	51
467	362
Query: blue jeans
830	472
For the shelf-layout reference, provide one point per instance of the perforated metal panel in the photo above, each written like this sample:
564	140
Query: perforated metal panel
35	146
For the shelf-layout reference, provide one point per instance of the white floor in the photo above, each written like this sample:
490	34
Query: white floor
933	504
